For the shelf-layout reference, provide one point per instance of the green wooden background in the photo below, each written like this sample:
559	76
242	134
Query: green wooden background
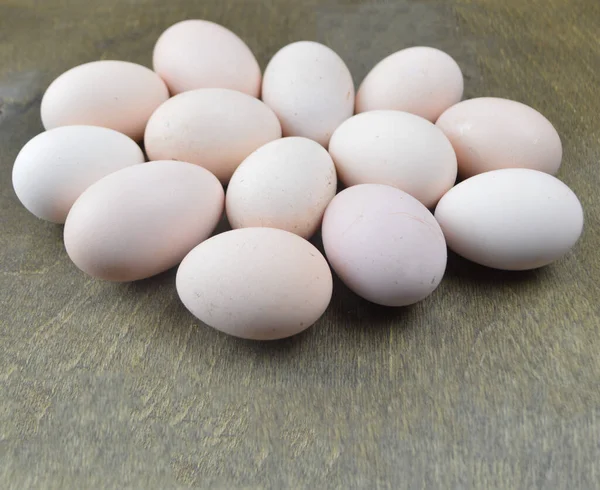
493	382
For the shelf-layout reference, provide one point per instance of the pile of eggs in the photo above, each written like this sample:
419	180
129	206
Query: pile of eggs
279	142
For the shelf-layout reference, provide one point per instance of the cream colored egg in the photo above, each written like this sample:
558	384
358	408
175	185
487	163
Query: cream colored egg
310	89
384	244
285	184
395	148
142	220
201	54
512	219
256	283
489	133
55	167
420	80
113	94
214	128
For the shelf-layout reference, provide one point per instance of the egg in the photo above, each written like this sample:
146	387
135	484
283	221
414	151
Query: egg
489	133
384	244
421	80
186	59
512	219
255	283
142	220
113	94
55	167
285	184
310	89
214	128
395	148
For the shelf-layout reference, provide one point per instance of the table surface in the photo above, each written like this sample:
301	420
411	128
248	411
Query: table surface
492	382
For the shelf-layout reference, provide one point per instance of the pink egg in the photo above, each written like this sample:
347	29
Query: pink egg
384	244
256	283
113	94
395	148
421	80
212	127
489	133
142	220
201	54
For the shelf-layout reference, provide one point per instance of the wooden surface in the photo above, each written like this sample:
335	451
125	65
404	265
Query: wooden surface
493	382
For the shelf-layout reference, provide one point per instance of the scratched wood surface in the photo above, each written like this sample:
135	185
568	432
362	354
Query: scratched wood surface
493	382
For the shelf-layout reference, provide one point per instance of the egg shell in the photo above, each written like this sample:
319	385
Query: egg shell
214	128
186	59
310	89
256	283
113	94
384	244
142	220
395	148
285	184
489	133
55	167
421	80
512	219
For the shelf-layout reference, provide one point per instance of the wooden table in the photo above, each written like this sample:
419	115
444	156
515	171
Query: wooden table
493	382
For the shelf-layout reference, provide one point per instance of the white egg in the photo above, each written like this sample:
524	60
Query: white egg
512	219
55	167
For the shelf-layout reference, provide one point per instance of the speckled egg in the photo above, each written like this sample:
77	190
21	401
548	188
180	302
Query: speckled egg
285	184
256	283
384	244
310	89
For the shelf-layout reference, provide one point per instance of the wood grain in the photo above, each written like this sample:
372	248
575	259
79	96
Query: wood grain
493	382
